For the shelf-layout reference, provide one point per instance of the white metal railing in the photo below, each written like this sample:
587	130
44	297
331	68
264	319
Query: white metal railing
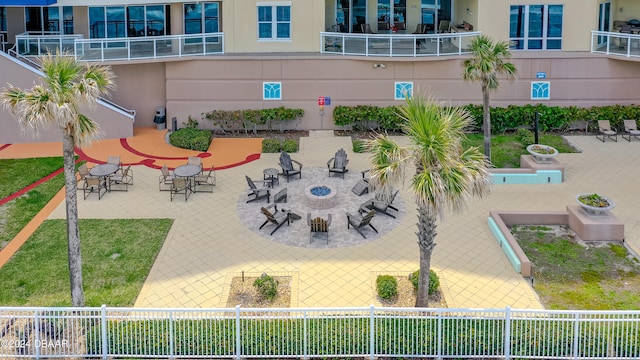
30	45
321	332
615	43
149	47
407	45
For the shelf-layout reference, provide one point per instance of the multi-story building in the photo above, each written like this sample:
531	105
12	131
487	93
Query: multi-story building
193	57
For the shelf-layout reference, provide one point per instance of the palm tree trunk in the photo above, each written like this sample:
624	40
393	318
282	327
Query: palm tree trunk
73	234
426	234
486	121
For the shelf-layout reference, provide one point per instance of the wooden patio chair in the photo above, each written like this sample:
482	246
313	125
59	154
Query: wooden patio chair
288	167
358	222
256	192
278	218
380	205
318	226
338	163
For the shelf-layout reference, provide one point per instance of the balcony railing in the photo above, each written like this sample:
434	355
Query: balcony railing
121	48
396	45
615	43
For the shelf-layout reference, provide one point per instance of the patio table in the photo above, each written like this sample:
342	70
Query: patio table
103	171
188	171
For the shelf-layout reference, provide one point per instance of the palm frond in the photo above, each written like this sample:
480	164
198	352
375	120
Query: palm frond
387	163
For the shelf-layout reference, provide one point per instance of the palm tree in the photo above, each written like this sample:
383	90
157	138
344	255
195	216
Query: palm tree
488	61
67	86
446	174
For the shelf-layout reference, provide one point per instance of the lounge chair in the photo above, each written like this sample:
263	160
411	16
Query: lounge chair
358	221
318	226
288	169
380	205
180	185
338	163
165	180
94	185
278	218
121	177
256	192
206	179
631	129
280	196
605	131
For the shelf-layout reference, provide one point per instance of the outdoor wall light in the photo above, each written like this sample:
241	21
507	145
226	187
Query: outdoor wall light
379	66
469	11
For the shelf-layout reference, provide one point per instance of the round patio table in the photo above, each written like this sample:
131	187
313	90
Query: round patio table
102	170
188	171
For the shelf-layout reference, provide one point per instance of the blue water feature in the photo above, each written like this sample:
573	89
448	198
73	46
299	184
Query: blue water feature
320	191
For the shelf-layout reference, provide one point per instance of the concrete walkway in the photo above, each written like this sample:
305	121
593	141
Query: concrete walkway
209	244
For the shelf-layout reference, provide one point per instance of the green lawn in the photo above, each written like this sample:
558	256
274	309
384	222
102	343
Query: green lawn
116	255
17	174
570	275
506	149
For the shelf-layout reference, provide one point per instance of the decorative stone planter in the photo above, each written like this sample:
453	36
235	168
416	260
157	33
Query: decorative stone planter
542	153
597	205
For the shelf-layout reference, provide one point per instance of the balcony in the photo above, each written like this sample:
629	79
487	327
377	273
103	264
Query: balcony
396	45
616	43
156	47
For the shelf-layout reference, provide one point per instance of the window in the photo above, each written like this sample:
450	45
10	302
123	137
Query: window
396	7
271	91
402	90
274	22
540	90
47	20
536	27
201	18
131	21
3	22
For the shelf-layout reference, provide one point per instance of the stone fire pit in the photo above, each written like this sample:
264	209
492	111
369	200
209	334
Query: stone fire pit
321	196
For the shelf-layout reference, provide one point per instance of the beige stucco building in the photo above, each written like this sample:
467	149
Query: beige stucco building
193	57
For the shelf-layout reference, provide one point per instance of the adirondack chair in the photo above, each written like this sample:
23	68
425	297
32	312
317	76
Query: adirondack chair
257	192
358	221
338	163
318	226
380	205
288	169
278	218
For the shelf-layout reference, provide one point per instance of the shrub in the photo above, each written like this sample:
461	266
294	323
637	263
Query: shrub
434	281
525	136
190	138
191	123
267	286
290	145
359	146
271	146
386	286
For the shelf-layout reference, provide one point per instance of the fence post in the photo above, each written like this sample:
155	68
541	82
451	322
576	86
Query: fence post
305	336
238	345
440	339
36	326
171	337
103	331
372	341
576	335
507	333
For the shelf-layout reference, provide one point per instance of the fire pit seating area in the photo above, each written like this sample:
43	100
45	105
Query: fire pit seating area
323	199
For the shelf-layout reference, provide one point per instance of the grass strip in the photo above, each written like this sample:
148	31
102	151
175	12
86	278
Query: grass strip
116	255
16	174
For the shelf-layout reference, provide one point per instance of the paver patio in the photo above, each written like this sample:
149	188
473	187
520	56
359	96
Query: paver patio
209	243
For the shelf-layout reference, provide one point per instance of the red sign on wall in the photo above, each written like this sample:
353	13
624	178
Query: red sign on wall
320	100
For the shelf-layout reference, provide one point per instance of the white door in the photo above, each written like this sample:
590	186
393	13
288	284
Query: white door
604	21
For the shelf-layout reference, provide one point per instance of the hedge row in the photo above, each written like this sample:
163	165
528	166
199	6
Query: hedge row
238	120
350	336
553	118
